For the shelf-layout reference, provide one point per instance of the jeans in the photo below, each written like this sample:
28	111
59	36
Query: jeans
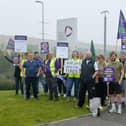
70	82
28	82
52	85
19	84
43	81
61	87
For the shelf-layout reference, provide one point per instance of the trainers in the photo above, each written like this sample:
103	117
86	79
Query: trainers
112	110
59	95
64	95
119	111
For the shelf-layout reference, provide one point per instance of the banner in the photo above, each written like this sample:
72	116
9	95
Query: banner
10	45
20	43
109	74
44	47
122	26
72	67
62	50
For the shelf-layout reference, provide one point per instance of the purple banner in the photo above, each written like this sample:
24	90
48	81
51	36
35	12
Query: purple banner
109	74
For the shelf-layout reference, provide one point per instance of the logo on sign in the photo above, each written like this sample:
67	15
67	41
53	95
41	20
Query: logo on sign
68	31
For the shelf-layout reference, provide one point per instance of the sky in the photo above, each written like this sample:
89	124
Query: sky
24	17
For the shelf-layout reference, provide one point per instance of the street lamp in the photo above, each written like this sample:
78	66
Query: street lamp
105	29
42	3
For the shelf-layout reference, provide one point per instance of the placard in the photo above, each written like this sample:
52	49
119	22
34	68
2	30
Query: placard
10	45
20	43
72	67
44	47
62	50
109	74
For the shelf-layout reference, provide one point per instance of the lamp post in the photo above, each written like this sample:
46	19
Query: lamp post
105	29
42	3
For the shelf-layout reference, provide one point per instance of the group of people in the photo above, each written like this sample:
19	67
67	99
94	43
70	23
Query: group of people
32	68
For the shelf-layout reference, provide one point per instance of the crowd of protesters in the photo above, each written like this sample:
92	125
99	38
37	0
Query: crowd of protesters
30	69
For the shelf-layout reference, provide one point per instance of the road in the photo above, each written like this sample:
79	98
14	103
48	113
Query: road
105	119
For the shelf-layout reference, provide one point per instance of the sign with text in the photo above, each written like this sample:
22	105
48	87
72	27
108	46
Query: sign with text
20	43
72	67
109	74
62	50
44	47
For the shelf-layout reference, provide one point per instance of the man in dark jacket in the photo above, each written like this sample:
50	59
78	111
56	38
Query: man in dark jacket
89	70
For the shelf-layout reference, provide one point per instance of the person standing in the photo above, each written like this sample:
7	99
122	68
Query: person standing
115	85
18	79
101	88
89	70
122	59
60	79
73	78
32	72
38	59
51	70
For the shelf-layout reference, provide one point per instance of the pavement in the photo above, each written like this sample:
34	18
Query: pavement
105	119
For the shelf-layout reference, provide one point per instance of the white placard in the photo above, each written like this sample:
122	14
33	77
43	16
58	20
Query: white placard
62	50
20	43
72	67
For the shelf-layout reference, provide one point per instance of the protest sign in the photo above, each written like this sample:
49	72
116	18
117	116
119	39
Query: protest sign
72	67
44	47
109	74
20	43
62	50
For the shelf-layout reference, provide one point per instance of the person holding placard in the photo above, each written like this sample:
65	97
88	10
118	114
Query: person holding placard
115	83
73	78
18	79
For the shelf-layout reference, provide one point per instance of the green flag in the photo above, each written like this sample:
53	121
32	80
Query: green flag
92	49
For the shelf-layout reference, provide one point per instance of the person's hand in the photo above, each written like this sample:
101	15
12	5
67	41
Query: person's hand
107	83
119	82
37	74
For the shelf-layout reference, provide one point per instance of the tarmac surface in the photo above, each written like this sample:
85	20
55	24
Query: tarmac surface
105	119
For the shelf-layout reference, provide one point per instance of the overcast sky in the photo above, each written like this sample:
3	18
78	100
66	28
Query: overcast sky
24	17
